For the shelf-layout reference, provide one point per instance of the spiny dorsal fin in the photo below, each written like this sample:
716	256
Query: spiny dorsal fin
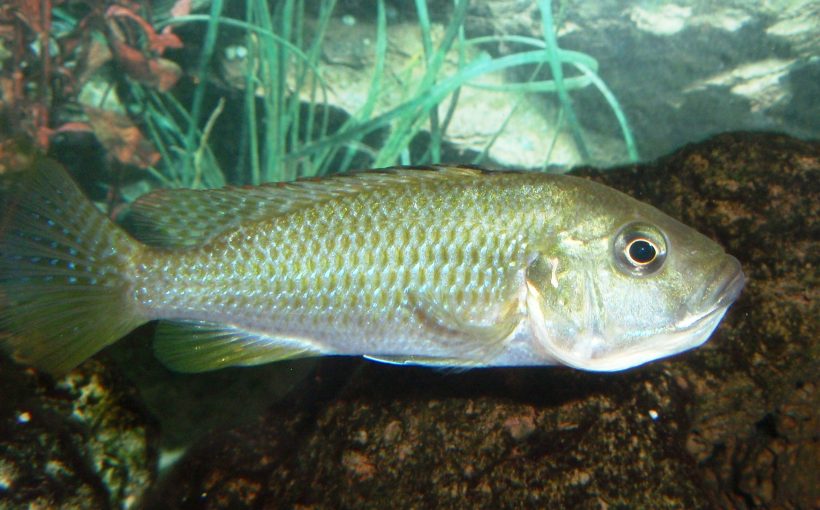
186	217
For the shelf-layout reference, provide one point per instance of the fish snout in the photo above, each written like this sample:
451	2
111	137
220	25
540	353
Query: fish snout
723	286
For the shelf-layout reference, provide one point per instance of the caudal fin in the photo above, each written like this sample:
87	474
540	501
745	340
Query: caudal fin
64	289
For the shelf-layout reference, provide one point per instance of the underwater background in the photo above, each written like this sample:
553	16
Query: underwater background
708	110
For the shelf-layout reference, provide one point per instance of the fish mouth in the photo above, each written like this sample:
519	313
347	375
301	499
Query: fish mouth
730	290
727	282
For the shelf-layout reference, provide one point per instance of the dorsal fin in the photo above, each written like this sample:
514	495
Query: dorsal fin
186	217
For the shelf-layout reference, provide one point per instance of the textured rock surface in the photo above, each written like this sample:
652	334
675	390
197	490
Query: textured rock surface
416	438
733	424
755	426
81	442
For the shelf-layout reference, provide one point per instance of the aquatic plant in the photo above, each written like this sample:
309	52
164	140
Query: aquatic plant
286	125
48	52
51	51
298	139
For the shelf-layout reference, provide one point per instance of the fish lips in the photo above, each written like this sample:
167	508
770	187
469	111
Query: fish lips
723	289
731	288
702	313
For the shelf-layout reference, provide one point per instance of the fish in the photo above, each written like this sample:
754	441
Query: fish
442	266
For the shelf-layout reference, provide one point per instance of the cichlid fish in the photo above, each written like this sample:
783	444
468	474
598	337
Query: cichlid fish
443	266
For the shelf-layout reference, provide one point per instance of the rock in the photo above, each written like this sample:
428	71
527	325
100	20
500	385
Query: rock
732	424
681	70
83	441
416	438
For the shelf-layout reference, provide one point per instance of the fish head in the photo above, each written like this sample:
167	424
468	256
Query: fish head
622	284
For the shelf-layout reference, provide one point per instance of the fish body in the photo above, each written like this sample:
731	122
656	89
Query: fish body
443	266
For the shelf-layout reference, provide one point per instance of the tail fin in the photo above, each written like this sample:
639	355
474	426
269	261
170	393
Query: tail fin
64	292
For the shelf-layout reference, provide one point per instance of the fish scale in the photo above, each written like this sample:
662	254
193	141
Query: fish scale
366	240
442	266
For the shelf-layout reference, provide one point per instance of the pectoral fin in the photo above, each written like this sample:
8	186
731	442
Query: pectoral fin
543	329
192	346
472	342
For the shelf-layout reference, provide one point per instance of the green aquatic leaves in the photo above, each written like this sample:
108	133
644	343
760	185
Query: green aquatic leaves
287	128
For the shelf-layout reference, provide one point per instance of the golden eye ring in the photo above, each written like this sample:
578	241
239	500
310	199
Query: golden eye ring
639	249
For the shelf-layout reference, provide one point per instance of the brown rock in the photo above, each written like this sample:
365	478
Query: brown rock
82	441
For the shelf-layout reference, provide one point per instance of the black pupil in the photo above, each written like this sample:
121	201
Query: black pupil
642	251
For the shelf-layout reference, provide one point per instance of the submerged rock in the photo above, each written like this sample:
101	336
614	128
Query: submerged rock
416	438
732	424
83	441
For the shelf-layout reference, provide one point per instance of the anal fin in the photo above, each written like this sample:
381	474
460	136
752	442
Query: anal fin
196	346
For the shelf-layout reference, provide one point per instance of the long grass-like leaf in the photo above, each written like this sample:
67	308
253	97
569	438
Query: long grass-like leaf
616	109
204	61
427	45
483	64
375	83
558	77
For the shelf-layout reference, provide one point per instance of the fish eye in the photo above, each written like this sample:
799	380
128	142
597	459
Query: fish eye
639	249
